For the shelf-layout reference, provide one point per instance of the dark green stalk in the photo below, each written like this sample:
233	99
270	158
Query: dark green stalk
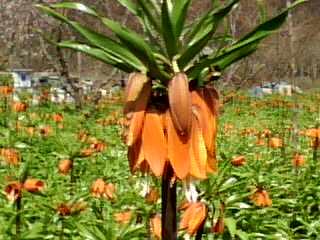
18	217
169	205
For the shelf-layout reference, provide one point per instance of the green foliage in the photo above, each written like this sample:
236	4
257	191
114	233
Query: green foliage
168	42
294	191
6	79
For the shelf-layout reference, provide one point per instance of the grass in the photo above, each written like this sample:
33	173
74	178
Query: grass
294	190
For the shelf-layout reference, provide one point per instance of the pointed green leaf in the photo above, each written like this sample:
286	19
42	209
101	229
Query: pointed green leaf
148	11
99	40
244	47
224	60
168	34
204	32
130	5
179	14
231	225
75	6
136	44
98	54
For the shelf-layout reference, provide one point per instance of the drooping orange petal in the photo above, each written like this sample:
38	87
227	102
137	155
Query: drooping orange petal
211	97
193	217
203	107
186	216
135	127
178	150
135	155
198	217
198	152
123	217
137	110
154	143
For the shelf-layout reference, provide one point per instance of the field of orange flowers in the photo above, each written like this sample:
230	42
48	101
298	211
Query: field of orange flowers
65	174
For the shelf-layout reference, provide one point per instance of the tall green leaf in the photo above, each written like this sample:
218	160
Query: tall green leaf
99	40
244	47
203	32
98	54
132	41
179	14
138	46
148	10
168	34
130	5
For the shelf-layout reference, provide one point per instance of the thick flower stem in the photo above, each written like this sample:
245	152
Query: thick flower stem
18	218
169	205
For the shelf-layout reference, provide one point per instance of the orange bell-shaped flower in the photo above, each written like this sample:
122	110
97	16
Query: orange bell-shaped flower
33	185
193	217
261	198
238	161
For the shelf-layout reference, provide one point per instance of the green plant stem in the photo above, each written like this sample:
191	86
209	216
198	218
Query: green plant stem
72	179
62	229
18	217
169	205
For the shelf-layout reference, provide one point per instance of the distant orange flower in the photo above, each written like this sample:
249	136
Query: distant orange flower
101	189
19	106
13	191
193	217
65	166
261	198
57	117
313	132
30	131
67	209
238	161
275	142
155	226
10	156
123	217
45	131
298	160
64	210
266	133
33	185
87	152
6	90
98	146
